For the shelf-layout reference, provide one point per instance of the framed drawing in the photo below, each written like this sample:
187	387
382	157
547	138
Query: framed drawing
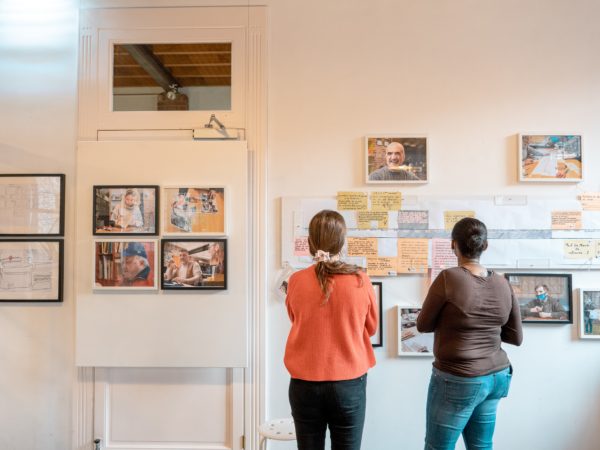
377	338
125	264
188	264
550	157
194	210
31	270
393	159
125	210
32	205
543	297
412	342
589	313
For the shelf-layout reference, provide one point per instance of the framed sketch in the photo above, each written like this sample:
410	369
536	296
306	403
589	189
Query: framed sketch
194	264
31	270
377	338
32	205
543	297
412	342
194	210
393	159
125	264
125	210
550	157
589	313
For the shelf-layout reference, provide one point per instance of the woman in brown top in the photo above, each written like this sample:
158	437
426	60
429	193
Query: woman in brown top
471	311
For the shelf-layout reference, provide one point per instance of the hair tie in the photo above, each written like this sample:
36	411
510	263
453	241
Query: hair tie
323	256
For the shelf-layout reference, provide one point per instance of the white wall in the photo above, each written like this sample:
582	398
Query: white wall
470	75
38	87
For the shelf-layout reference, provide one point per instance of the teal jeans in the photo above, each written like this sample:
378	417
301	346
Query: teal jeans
464	405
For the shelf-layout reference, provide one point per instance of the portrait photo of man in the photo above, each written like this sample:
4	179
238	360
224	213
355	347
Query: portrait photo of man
396	159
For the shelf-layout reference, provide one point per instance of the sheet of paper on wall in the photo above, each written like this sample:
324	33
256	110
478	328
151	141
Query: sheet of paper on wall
381	267
413	255
386	201
442	256
451	217
590	201
372	219
566	220
362	246
413	220
301	247
352	201
580	248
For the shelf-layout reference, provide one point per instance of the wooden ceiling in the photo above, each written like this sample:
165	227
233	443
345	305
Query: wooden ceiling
190	64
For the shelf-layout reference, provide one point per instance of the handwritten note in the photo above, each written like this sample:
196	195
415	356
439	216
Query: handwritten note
381	267
579	249
451	217
590	201
442	256
362	246
413	220
412	255
566	220
386	201
301	246
366	219
352	201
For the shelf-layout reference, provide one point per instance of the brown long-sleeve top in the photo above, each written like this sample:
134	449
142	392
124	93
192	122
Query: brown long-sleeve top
470	317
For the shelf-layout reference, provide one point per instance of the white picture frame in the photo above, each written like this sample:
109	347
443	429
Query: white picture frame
589	313
118	264
550	158
194	210
409	166
411	342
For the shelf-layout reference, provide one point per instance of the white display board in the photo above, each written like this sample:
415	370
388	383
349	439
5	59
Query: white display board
163	328
520	230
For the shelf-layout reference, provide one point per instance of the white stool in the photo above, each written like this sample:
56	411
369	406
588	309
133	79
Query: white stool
278	430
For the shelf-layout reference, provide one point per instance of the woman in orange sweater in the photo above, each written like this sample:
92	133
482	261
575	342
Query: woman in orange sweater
332	308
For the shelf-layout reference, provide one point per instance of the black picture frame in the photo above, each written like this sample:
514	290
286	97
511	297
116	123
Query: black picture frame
19	204
209	253
26	273
377	338
558	288
107	199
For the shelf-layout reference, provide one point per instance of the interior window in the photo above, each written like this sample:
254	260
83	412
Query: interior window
172	77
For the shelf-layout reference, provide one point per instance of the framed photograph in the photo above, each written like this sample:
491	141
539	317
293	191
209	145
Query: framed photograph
393	159
194	264
589	313
550	157
194	210
32	205
125	264
543	297
377	338
126	210
31	271
411	342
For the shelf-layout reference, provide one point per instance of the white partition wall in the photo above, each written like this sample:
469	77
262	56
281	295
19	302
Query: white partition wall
163	328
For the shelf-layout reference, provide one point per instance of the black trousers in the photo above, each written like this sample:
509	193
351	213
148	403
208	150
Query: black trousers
339	405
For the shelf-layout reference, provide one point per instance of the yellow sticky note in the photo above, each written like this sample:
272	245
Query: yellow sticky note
451	217
412	255
362	246
386	201
566	220
381	267
352	201
590	201
365	219
579	249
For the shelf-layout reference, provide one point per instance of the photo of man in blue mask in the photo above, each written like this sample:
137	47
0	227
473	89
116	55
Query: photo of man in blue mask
544	306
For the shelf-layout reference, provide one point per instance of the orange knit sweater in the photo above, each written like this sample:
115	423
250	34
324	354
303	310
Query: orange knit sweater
330	342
